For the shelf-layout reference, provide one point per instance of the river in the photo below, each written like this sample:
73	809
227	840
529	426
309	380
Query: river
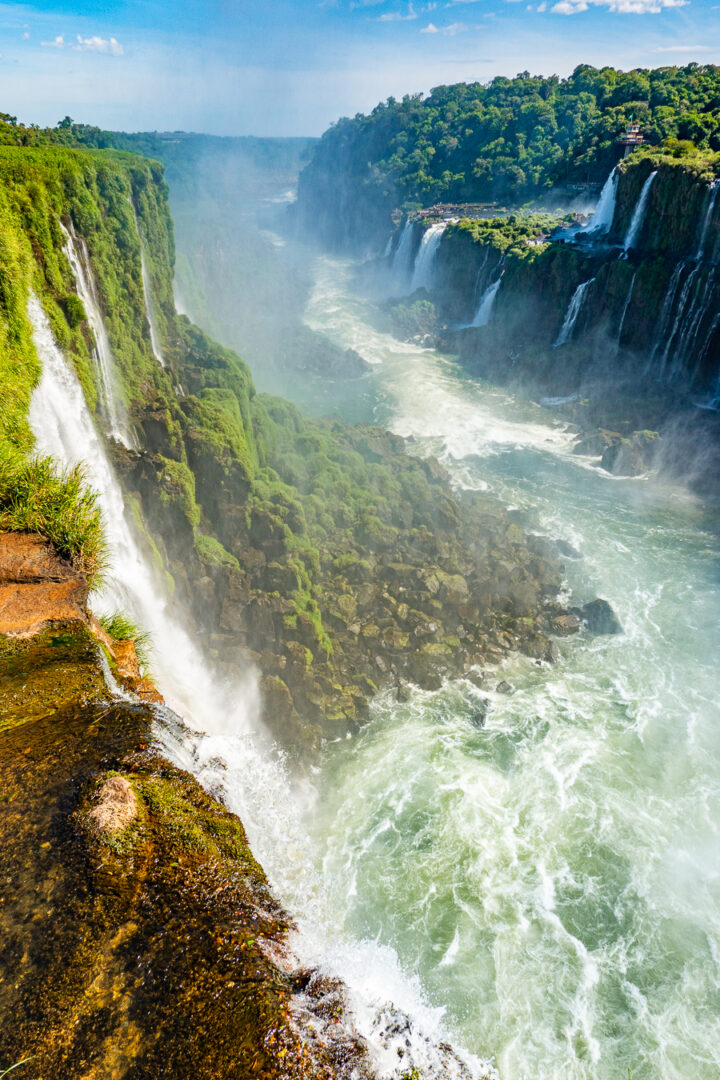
552	878
543	890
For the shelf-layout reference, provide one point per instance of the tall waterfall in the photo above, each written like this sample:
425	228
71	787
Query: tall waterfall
487	302
638	218
402	264
425	258
707	218
576	302
230	753
150	304
115	415
602	218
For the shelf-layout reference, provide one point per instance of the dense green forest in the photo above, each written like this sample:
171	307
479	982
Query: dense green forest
510	139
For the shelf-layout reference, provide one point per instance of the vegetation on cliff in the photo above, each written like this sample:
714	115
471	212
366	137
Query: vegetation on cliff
510	139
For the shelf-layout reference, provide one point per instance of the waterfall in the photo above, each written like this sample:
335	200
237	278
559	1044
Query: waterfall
661	338
150	304
425	258
676	331
487	301
626	305
228	751
602	218
711	199
401	264
114	413
388	247
576	302
638	218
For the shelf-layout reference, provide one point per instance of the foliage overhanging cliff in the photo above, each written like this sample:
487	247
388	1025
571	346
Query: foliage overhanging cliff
510	140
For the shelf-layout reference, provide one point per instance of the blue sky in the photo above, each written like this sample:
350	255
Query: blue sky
290	67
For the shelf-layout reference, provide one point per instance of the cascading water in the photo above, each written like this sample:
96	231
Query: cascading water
576	303
602	218
115	415
626	305
427	253
487	302
230	754
707	218
150	308
552	874
638	219
402	259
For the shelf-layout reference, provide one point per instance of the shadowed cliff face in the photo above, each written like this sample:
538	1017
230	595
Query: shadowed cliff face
138	936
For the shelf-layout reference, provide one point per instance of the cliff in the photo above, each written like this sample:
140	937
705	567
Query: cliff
138	936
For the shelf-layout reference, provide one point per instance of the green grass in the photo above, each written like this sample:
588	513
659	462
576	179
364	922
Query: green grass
122	628
58	505
15	1066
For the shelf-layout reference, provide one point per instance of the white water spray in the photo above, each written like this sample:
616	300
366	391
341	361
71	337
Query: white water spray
424	269
576	303
79	259
487	302
602	218
638	219
230	753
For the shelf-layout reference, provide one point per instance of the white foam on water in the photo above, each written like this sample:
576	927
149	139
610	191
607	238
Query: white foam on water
552	876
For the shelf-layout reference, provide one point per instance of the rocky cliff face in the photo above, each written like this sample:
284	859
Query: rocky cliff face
138	936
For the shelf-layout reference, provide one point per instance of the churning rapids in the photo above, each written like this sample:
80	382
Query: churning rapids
544	889
552	878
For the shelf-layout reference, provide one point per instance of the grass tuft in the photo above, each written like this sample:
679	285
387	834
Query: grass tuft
121	628
58	505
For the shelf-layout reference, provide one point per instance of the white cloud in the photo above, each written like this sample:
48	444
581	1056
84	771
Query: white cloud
449	31
683	48
110	46
397	16
25	36
622	7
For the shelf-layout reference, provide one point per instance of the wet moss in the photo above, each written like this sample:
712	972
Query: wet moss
138	953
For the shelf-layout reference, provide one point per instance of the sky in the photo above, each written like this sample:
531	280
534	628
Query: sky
291	67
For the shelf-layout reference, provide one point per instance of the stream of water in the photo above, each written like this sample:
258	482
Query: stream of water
552	878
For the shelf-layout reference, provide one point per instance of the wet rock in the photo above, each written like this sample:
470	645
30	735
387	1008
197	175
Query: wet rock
600	618
37	587
504	687
402	691
566	550
564	625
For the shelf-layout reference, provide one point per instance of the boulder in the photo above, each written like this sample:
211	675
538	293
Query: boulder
600	618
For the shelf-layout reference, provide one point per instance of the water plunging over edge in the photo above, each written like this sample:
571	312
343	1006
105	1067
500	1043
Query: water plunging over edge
487	302
424	268
77	255
573	310
638	217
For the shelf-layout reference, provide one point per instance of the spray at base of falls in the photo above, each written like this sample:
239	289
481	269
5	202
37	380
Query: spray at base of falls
423	271
638	218
576	302
117	421
602	218
487	302
230	754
